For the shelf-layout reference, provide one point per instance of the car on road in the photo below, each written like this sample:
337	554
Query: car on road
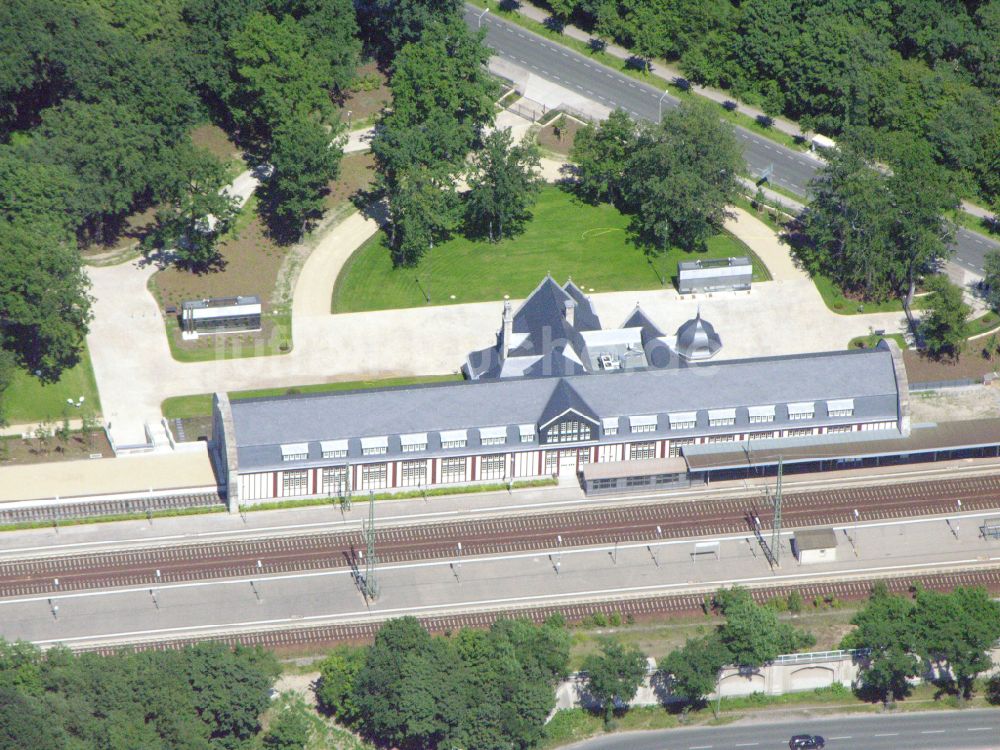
806	741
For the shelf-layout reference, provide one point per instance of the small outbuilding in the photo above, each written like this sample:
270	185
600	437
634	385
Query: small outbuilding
815	546
220	315
714	275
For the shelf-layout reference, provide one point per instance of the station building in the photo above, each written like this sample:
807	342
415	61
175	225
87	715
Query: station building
495	428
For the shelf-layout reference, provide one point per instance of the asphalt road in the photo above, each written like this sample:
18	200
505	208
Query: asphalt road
919	731
791	170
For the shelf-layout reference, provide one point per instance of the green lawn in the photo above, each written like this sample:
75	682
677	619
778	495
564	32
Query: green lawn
27	400
834	298
566	237
200	405
871	341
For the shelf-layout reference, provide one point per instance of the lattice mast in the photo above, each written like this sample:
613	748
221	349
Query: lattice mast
371	581
776	526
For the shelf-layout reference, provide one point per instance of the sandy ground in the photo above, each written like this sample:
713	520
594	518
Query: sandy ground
299	683
953	404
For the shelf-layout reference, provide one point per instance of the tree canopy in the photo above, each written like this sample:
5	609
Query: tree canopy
614	675
204	697
950	632
866	72
943	327
503	183
484	689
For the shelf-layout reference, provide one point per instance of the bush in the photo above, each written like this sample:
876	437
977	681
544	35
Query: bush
993	690
795	602
599	619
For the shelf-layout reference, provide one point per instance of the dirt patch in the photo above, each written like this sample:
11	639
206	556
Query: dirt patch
299	683
357	171
922	369
214	139
559	140
371	96
15	450
954	404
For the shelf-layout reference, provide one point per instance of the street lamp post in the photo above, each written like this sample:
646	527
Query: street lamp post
558	561
660	118
479	20
654	549
958	510
856	545
458	560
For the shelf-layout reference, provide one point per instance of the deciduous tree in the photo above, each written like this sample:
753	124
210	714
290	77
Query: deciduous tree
943	327
503	182
680	178
694	668
601	154
614	675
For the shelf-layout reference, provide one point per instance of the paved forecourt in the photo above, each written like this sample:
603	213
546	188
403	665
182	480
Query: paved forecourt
487	583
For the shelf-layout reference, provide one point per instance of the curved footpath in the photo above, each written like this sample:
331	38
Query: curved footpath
135	370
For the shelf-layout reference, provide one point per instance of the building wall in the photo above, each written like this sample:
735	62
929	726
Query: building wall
401	473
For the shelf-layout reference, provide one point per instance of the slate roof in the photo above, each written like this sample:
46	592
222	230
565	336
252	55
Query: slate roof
261	425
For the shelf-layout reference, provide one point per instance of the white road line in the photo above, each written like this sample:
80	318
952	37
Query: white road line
934	731
746	744
700	747
979	729
887	734
842	737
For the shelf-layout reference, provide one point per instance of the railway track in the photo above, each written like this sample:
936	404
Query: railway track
290	639
582	527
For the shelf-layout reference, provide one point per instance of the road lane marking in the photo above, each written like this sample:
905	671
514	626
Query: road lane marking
887	734
934	731
979	729
842	737
746	744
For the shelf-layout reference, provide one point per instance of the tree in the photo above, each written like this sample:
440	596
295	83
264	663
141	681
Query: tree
423	210
305	155
694	668
444	73
111	149
876	234
957	630
276	77
8	369
614	675
601	154
44	305
680	178
503	183
991	279
753	635
338	672
885	627
196	212
389	25
332	29
25	723
290	730
943	328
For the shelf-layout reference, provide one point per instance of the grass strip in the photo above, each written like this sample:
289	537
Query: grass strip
199	510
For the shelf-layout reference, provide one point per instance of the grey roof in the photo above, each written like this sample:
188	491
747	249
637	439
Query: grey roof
564	397
586	318
815	539
865	375
696	336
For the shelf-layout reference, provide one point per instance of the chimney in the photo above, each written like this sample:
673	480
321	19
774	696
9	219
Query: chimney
570	311
508	329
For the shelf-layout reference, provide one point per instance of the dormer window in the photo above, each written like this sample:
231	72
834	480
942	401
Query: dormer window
333	448
721	417
840	407
374	446
295	451
454	439
801	410
761	414
683	420
526	432
493	435
610	426
642	424
413	442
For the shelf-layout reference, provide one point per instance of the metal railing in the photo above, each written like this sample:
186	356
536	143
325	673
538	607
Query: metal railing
933	385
